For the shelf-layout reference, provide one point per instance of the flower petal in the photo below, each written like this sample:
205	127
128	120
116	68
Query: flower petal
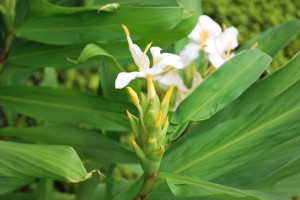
216	60
195	34
209	25
230	38
214	45
161	61
124	78
142	61
189	53
137	55
170	78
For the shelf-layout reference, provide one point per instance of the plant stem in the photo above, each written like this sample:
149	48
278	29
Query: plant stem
7	44
147	187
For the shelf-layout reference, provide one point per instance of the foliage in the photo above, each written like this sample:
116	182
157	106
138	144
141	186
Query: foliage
235	135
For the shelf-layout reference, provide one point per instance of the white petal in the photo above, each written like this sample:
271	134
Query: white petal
169	78
195	34
124	78
216	60
214	45
161	61
189	53
155	52
207	24
137	53
230	38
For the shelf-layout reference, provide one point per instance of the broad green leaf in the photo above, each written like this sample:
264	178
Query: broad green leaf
153	3
10	184
88	26
236	142
18	196
274	39
261	91
186	186
31	196
91	51
285	180
88	144
273	160
40	161
66	106
222	87
15	75
107	83
32	54
40	8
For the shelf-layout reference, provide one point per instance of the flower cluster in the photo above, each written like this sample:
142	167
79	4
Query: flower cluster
208	36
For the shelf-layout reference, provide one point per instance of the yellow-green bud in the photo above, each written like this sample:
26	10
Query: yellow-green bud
150	146
137	149
144	102
157	155
133	96
149	119
164	107
151	88
134	122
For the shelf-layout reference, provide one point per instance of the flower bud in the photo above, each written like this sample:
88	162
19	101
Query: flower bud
138	150
134	122
151	145
144	102
164	107
157	155
133	97
151	88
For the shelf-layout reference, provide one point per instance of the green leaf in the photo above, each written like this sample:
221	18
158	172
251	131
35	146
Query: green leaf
40	8
259	92
273	160
236	142
10	184
88	144
285	180
93	51
186	186
42	161
153	3
32	54
88	26
274	39
66	106
222	87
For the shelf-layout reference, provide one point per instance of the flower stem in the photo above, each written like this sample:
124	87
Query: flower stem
147	187
7	43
